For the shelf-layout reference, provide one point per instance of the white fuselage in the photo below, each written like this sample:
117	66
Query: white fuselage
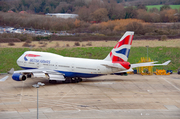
69	66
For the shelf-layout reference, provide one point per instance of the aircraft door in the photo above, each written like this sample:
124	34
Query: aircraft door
56	65
25	63
98	70
37	62
72	67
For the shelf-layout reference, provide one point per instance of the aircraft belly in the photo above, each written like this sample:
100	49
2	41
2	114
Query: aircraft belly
78	74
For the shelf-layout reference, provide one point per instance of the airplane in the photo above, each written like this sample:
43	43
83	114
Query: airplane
70	69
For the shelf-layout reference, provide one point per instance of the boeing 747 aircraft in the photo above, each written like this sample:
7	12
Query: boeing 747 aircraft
69	69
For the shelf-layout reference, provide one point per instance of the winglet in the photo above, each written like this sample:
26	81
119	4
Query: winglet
11	71
167	62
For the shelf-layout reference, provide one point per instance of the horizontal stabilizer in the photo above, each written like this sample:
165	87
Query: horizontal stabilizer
149	64
165	63
111	66
129	70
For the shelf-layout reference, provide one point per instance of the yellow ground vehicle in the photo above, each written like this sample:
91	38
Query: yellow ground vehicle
161	72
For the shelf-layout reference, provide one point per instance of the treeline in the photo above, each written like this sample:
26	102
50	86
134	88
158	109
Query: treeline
117	11
71	6
96	10
80	27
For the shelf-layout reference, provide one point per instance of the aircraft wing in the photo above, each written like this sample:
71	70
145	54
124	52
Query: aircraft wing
149	64
42	72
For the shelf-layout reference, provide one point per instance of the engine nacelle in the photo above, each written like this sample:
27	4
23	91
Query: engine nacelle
18	77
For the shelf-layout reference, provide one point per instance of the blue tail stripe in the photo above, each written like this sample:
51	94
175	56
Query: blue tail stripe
128	53
123	51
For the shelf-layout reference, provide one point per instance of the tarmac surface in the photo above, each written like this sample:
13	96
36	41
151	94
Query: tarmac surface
110	96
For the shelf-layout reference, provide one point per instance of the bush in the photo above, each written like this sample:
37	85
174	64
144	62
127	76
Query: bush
76	44
43	45
11	44
28	41
41	42
138	28
161	31
67	45
26	45
163	38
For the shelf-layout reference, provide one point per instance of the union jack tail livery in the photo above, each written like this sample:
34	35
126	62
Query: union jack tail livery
121	51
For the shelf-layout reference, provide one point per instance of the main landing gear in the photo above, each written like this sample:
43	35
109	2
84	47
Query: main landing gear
68	80
53	81
73	80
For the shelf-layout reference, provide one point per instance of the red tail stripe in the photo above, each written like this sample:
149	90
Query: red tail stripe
125	41
116	59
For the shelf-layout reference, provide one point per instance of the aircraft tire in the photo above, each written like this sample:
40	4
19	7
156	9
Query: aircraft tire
28	76
52	81
73	80
80	79
68	80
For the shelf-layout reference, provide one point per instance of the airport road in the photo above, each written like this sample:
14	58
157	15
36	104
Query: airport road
111	96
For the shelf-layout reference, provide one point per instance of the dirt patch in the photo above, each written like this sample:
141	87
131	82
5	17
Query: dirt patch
136	43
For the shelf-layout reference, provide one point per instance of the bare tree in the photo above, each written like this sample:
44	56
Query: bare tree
100	15
84	14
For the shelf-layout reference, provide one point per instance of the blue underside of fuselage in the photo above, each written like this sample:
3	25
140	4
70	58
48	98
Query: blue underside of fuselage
72	74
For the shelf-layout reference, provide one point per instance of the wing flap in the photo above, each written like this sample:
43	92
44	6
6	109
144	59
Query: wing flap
56	77
38	75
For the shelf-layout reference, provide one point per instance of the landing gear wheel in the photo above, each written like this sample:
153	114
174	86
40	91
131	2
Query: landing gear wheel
68	80
74	80
28	75
80	79
53	81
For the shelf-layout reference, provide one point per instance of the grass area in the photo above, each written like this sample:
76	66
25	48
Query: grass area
161	54
159	6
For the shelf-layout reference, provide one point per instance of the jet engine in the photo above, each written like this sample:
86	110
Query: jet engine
18	77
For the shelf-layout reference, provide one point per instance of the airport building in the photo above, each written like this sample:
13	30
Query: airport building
63	15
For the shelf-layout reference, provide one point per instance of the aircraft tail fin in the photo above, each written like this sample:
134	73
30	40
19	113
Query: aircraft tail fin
121	51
